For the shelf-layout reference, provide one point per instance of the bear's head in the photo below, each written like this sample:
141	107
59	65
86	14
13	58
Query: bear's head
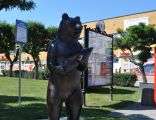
69	28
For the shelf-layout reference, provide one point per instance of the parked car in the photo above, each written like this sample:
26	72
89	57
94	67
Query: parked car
149	71
1	72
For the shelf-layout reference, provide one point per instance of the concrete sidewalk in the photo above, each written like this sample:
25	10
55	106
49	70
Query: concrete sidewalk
63	118
135	111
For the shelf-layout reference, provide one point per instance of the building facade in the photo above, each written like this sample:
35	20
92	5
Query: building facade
123	22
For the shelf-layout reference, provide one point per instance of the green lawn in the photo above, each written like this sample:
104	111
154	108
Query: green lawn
33	105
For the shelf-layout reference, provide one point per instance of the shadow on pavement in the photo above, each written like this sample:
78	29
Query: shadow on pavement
131	117
135	111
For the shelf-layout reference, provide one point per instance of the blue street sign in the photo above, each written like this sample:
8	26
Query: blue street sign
21	32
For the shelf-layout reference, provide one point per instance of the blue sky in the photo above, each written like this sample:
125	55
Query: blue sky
49	12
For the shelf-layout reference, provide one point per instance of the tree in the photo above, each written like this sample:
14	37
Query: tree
137	38
37	38
52	33
21	4
7	43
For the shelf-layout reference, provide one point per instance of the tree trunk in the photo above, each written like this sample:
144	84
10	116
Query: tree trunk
11	66
143	73
36	69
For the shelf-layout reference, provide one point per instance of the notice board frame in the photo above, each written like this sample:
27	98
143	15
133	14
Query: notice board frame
85	86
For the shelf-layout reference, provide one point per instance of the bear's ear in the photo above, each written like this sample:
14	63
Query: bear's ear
65	16
77	18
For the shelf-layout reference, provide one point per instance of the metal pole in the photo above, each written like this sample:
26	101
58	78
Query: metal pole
111	93
84	73
111	86
155	76
19	82
83	90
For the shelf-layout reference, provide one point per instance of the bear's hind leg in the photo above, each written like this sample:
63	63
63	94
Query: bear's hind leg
54	109
54	103
74	105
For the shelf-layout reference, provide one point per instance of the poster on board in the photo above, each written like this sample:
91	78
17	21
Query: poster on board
100	60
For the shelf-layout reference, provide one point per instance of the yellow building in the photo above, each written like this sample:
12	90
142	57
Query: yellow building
123	22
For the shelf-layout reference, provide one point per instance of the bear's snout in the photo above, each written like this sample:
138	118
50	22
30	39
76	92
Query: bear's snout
79	27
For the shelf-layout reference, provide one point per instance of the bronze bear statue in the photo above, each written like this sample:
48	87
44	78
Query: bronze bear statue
65	63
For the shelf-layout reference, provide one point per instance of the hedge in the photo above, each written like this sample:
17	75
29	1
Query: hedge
119	79
124	79
42	75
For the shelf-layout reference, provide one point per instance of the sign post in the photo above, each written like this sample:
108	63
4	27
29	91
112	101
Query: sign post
21	38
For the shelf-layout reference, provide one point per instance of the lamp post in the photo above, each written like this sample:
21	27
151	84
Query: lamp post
154	46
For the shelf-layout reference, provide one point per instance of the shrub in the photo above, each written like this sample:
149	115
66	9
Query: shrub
124	79
27	74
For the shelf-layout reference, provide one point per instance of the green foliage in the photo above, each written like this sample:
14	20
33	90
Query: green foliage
27	74
124	79
7	38
36	37
21	4
52	32
144	54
